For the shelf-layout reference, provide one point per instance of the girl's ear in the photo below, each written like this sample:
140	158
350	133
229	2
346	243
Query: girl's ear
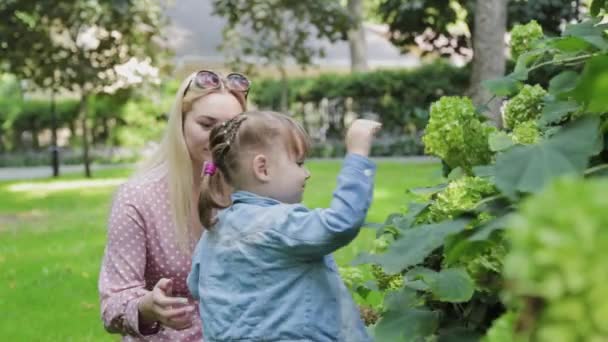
260	168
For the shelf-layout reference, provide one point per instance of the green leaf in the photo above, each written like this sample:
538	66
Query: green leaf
570	44
456	173
430	190
520	72
452	285
592	86
413	246
556	111
504	86
484	232
589	31
500	141
596	7
484	171
459	334
563	82
528	168
404	319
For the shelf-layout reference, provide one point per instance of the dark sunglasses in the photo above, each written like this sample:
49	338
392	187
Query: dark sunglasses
206	79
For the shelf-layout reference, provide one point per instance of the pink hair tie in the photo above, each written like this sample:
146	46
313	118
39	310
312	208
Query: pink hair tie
209	168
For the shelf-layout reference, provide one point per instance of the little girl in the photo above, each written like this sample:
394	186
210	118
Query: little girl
268	273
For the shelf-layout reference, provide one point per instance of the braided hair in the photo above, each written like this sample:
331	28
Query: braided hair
229	143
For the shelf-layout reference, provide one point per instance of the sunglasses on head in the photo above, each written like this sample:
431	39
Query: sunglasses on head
206	79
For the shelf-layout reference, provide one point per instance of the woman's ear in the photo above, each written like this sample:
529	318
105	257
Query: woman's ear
260	168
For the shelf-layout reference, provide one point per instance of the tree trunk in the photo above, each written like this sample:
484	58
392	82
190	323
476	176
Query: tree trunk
356	37
105	130
54	147
82	111
34	129
489	52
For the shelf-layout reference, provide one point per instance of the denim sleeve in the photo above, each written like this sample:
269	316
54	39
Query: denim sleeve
193	276
318	232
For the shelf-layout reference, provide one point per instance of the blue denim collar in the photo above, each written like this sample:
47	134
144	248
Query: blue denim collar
251	198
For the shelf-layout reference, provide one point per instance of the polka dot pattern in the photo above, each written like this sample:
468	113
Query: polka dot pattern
140	250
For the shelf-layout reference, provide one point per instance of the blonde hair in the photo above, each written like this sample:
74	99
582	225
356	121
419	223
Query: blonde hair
173	160
232	141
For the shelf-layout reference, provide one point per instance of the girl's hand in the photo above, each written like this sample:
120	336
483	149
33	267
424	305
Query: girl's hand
159	306
360	135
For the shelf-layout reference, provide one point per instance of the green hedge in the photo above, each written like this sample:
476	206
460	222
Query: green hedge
400	97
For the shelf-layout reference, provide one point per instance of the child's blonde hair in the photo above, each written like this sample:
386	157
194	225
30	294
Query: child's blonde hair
231	142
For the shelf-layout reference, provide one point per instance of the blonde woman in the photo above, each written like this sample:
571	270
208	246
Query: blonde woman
154	223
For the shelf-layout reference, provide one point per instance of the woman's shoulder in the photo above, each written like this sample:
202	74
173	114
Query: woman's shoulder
144	185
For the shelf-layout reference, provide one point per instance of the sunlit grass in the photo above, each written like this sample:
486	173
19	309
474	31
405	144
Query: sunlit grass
52	236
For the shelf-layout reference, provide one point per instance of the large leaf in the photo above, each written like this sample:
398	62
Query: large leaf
520	72
485	231
529	168
555	111
403	222
413	246
593	85
504	86
449	285
483	171
563	82
404	319
590	31
459	334
500	141
570	44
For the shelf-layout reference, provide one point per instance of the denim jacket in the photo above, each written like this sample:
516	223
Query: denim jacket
265	272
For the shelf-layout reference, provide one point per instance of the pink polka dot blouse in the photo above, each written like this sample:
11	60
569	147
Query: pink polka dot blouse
140	250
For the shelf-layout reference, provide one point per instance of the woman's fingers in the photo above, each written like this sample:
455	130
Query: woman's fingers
173	312
179	324
160	299
177	318
176	313
165	285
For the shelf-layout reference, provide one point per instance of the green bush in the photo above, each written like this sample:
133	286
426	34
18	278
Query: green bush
400	97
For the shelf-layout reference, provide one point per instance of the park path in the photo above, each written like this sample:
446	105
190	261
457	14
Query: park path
37	172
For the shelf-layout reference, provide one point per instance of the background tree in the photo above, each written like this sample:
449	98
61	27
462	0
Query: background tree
274	33
489	52
356	36
445	26
77	45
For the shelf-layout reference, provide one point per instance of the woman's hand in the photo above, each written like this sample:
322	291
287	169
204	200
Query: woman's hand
159	306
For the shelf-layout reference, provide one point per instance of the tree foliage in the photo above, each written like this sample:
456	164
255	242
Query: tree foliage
444	26
279	31
76	45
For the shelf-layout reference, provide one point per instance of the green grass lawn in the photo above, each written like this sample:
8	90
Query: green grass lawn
52	235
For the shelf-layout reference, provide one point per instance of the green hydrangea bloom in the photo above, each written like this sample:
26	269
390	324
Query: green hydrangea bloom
526	133
523	37
456	134
558	258
525	106
385	281
459	196
352	276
